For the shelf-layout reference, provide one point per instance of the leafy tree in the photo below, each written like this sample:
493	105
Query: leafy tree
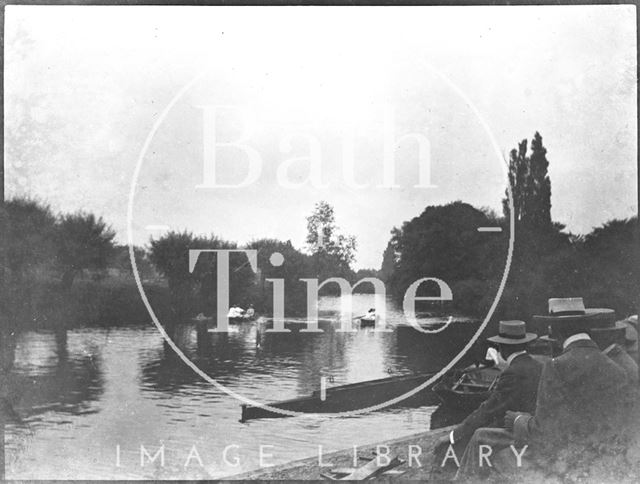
389	259
539	202
296	266
197	291
519	182
611	262
120	260
26	226
444	242
82	241
333	252
530	185
537	238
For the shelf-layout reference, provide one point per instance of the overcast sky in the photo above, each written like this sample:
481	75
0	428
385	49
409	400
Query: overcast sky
85	85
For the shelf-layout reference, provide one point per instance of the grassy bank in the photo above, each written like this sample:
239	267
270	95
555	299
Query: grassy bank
110	302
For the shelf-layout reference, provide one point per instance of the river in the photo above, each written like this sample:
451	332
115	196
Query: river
91	398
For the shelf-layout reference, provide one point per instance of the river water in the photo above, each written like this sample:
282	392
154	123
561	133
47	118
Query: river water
91	398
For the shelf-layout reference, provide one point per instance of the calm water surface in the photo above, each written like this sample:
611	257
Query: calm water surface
85	395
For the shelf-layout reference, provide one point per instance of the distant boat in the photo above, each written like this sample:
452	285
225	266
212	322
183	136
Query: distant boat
468	388
241	319
232	320
367	321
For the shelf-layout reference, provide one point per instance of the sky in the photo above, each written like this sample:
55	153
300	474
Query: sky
314	103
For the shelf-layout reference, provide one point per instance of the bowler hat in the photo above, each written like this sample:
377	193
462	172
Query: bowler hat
512	333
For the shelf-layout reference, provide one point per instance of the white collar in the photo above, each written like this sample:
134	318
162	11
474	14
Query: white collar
513	356
573	338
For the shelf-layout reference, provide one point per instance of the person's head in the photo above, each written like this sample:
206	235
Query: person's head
568	316
506	350
512	337
560	332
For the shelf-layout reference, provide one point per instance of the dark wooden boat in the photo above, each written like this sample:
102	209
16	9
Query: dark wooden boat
210	319
238	320
367	321
351	397
468	388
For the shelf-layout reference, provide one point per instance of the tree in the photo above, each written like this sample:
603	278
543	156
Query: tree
82	242
389	260
530	185
121	260
444	242
518	180
611	266
196	291
26	226
333	252
296	266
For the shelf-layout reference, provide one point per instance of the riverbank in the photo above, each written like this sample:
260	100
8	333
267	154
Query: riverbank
420	465
45	304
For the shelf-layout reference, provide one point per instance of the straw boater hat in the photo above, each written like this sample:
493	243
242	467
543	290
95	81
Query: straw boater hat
571	309
599	322
512	333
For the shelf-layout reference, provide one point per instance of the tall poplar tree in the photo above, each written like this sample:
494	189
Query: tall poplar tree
530	185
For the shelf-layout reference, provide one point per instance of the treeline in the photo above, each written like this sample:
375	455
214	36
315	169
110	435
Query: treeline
45	254
63	266
443	242
329	254
67	268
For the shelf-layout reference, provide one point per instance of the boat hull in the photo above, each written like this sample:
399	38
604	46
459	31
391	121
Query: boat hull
364	322
351	397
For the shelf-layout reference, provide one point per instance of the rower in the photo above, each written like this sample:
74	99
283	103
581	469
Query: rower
235	311
250	312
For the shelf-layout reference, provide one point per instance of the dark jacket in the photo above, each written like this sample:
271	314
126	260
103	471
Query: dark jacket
515	390
576	400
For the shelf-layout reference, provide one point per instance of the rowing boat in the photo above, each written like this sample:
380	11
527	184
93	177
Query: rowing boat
350	397
367	321
468	388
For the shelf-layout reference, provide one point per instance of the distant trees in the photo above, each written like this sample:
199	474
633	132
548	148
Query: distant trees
81	241
333	252
26	226
33	238
611	265
194	292
121	261
444	242
37	250
389	260
296	266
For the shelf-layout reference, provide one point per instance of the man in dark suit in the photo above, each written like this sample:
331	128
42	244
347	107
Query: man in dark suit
576	405
515	388
577	396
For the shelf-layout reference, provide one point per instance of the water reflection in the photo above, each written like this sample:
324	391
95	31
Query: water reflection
47	378
260	364
84	392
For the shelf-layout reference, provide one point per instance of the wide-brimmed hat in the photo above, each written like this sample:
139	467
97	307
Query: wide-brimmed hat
572	310
512	333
